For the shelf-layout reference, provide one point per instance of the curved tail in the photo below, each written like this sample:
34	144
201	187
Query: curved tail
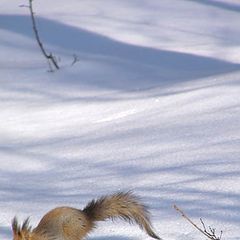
120	205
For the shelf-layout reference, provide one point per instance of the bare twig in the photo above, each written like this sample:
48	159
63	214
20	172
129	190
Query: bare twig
211	234
48	56
75	59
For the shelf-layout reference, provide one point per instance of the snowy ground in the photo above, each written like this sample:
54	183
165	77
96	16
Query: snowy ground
153	106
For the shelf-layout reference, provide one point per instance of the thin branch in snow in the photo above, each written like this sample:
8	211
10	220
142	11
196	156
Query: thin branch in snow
75	59
49	56
211	233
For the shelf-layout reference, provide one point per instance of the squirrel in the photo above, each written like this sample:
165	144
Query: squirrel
67	223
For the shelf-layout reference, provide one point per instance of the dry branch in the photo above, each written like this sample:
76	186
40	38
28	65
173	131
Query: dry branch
75	59
51	59
211	233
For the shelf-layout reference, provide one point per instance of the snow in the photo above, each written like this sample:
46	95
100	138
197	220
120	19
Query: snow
152	106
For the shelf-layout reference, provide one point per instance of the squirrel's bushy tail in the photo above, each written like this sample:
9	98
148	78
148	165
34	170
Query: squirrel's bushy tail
120	205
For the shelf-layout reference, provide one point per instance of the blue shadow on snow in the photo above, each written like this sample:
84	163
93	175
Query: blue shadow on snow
158	66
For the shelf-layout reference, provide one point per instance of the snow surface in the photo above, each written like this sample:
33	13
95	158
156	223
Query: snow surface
153	106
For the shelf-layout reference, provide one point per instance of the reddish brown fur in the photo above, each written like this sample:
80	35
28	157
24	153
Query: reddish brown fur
65	223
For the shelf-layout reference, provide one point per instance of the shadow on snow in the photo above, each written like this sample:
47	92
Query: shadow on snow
135	66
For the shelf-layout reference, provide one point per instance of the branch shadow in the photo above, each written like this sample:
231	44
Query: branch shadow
77	180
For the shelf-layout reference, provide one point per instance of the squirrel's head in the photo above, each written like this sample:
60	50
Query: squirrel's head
21	232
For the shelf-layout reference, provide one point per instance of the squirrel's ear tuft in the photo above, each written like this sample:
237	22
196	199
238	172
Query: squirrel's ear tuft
21	232
25	226
15	226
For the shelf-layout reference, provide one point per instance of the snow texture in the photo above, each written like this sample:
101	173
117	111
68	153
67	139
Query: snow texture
152	106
